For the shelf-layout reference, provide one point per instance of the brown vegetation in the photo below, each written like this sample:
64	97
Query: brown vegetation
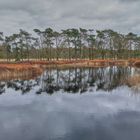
36	67
39	65
19	67
137	64
22	70
86	63
134	82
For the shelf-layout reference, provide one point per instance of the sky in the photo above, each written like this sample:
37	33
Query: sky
120	15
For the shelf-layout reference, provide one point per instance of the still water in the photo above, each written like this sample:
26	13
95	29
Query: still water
71	104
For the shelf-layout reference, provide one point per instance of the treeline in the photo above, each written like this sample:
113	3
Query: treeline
69	44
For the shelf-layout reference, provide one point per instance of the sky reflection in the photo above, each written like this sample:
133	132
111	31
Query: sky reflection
67	116
111	114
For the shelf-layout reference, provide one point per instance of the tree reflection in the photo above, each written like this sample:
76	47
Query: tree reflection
2	88
74	80
79	80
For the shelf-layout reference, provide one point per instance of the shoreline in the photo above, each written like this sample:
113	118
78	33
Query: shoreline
32	69
40	64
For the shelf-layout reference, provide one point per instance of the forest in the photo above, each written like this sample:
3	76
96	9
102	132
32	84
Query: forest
69	44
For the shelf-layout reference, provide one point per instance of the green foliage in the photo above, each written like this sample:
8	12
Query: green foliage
69	44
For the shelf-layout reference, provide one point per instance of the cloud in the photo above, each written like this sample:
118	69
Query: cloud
120	15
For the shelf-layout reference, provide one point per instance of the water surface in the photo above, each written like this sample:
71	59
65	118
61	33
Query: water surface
71	104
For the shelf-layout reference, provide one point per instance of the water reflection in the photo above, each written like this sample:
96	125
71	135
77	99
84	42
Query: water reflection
99	116
67	116
76	80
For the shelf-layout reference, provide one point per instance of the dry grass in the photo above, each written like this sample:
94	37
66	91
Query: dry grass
137	64
15	71
133	81
37	67
19	67
15	75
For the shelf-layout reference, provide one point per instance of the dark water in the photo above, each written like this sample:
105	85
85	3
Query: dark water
73	104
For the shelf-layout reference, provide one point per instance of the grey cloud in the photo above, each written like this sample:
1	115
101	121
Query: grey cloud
129	0
121	15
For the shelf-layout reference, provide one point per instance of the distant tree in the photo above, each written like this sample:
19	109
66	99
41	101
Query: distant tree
26	40
57	39
130	37
83	38
100	43
75	37
91	43
1	36
48	35
7	45
40	42
67	39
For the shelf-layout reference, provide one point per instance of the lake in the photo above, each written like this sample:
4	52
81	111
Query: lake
71	104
